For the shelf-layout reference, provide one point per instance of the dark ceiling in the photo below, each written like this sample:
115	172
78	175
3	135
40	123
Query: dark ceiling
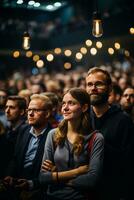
72	16
68	25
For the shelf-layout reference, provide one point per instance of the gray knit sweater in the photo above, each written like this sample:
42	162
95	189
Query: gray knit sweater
64	159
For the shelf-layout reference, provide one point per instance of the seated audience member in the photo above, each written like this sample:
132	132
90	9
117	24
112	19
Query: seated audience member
117	129
26	93
15	110
55	117
37	88
76	169
115	95
123	83
3	150
26	164
127	101
3	99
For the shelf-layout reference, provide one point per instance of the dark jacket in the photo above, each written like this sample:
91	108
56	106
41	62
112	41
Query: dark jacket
7	147
118	131
16	166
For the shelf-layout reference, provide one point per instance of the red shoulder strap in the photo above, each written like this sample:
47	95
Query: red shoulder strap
90	142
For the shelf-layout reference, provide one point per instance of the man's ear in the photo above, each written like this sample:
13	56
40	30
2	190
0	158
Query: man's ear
48	113
85	107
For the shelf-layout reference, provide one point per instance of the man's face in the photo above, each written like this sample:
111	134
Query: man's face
12	111
127	100
37	113
97	88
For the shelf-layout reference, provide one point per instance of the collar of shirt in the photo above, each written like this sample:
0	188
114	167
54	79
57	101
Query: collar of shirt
33	132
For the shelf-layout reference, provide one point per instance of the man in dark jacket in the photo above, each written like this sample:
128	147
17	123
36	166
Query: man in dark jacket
15	111
29	149
118	131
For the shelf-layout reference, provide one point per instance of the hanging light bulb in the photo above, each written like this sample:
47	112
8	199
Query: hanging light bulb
97	30
26	41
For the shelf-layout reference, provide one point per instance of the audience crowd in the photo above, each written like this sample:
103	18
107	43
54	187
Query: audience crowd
68	135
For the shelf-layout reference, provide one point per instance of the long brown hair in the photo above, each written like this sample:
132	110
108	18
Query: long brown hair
83	127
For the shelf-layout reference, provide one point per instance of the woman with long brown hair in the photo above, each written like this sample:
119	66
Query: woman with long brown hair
75	151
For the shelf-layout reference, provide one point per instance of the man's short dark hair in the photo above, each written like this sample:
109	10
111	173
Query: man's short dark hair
105	72
21	101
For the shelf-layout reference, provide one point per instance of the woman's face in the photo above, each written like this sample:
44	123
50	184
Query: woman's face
71	108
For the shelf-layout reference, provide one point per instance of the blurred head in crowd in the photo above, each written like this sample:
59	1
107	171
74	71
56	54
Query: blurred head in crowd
115	94
123	83
81	83
127	100
37	88
52	86
26	93
3	98
20	84
55	116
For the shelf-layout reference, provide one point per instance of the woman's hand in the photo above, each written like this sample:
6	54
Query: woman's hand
70	174
47	165
8	180
82	169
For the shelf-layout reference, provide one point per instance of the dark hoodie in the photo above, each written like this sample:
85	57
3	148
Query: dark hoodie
118	131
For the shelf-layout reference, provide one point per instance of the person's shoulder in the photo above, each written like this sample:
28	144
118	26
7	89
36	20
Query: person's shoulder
24	127
98	135
117	112
51	133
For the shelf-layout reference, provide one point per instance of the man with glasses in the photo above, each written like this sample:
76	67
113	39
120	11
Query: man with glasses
25	166
118	131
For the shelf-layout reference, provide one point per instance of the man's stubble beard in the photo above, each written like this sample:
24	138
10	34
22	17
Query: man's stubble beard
100	99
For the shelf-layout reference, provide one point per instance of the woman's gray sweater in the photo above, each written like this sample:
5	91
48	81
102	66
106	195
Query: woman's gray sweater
64	159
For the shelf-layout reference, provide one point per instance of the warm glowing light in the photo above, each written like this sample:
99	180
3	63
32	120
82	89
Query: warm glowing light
79	56
97	30
117	45
67	65
68	52
83	50
131	30
29	54
40	63
26	41
93	51
99	45
111	51
50	57
127	53
88	43
16	54
36	58
57	50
